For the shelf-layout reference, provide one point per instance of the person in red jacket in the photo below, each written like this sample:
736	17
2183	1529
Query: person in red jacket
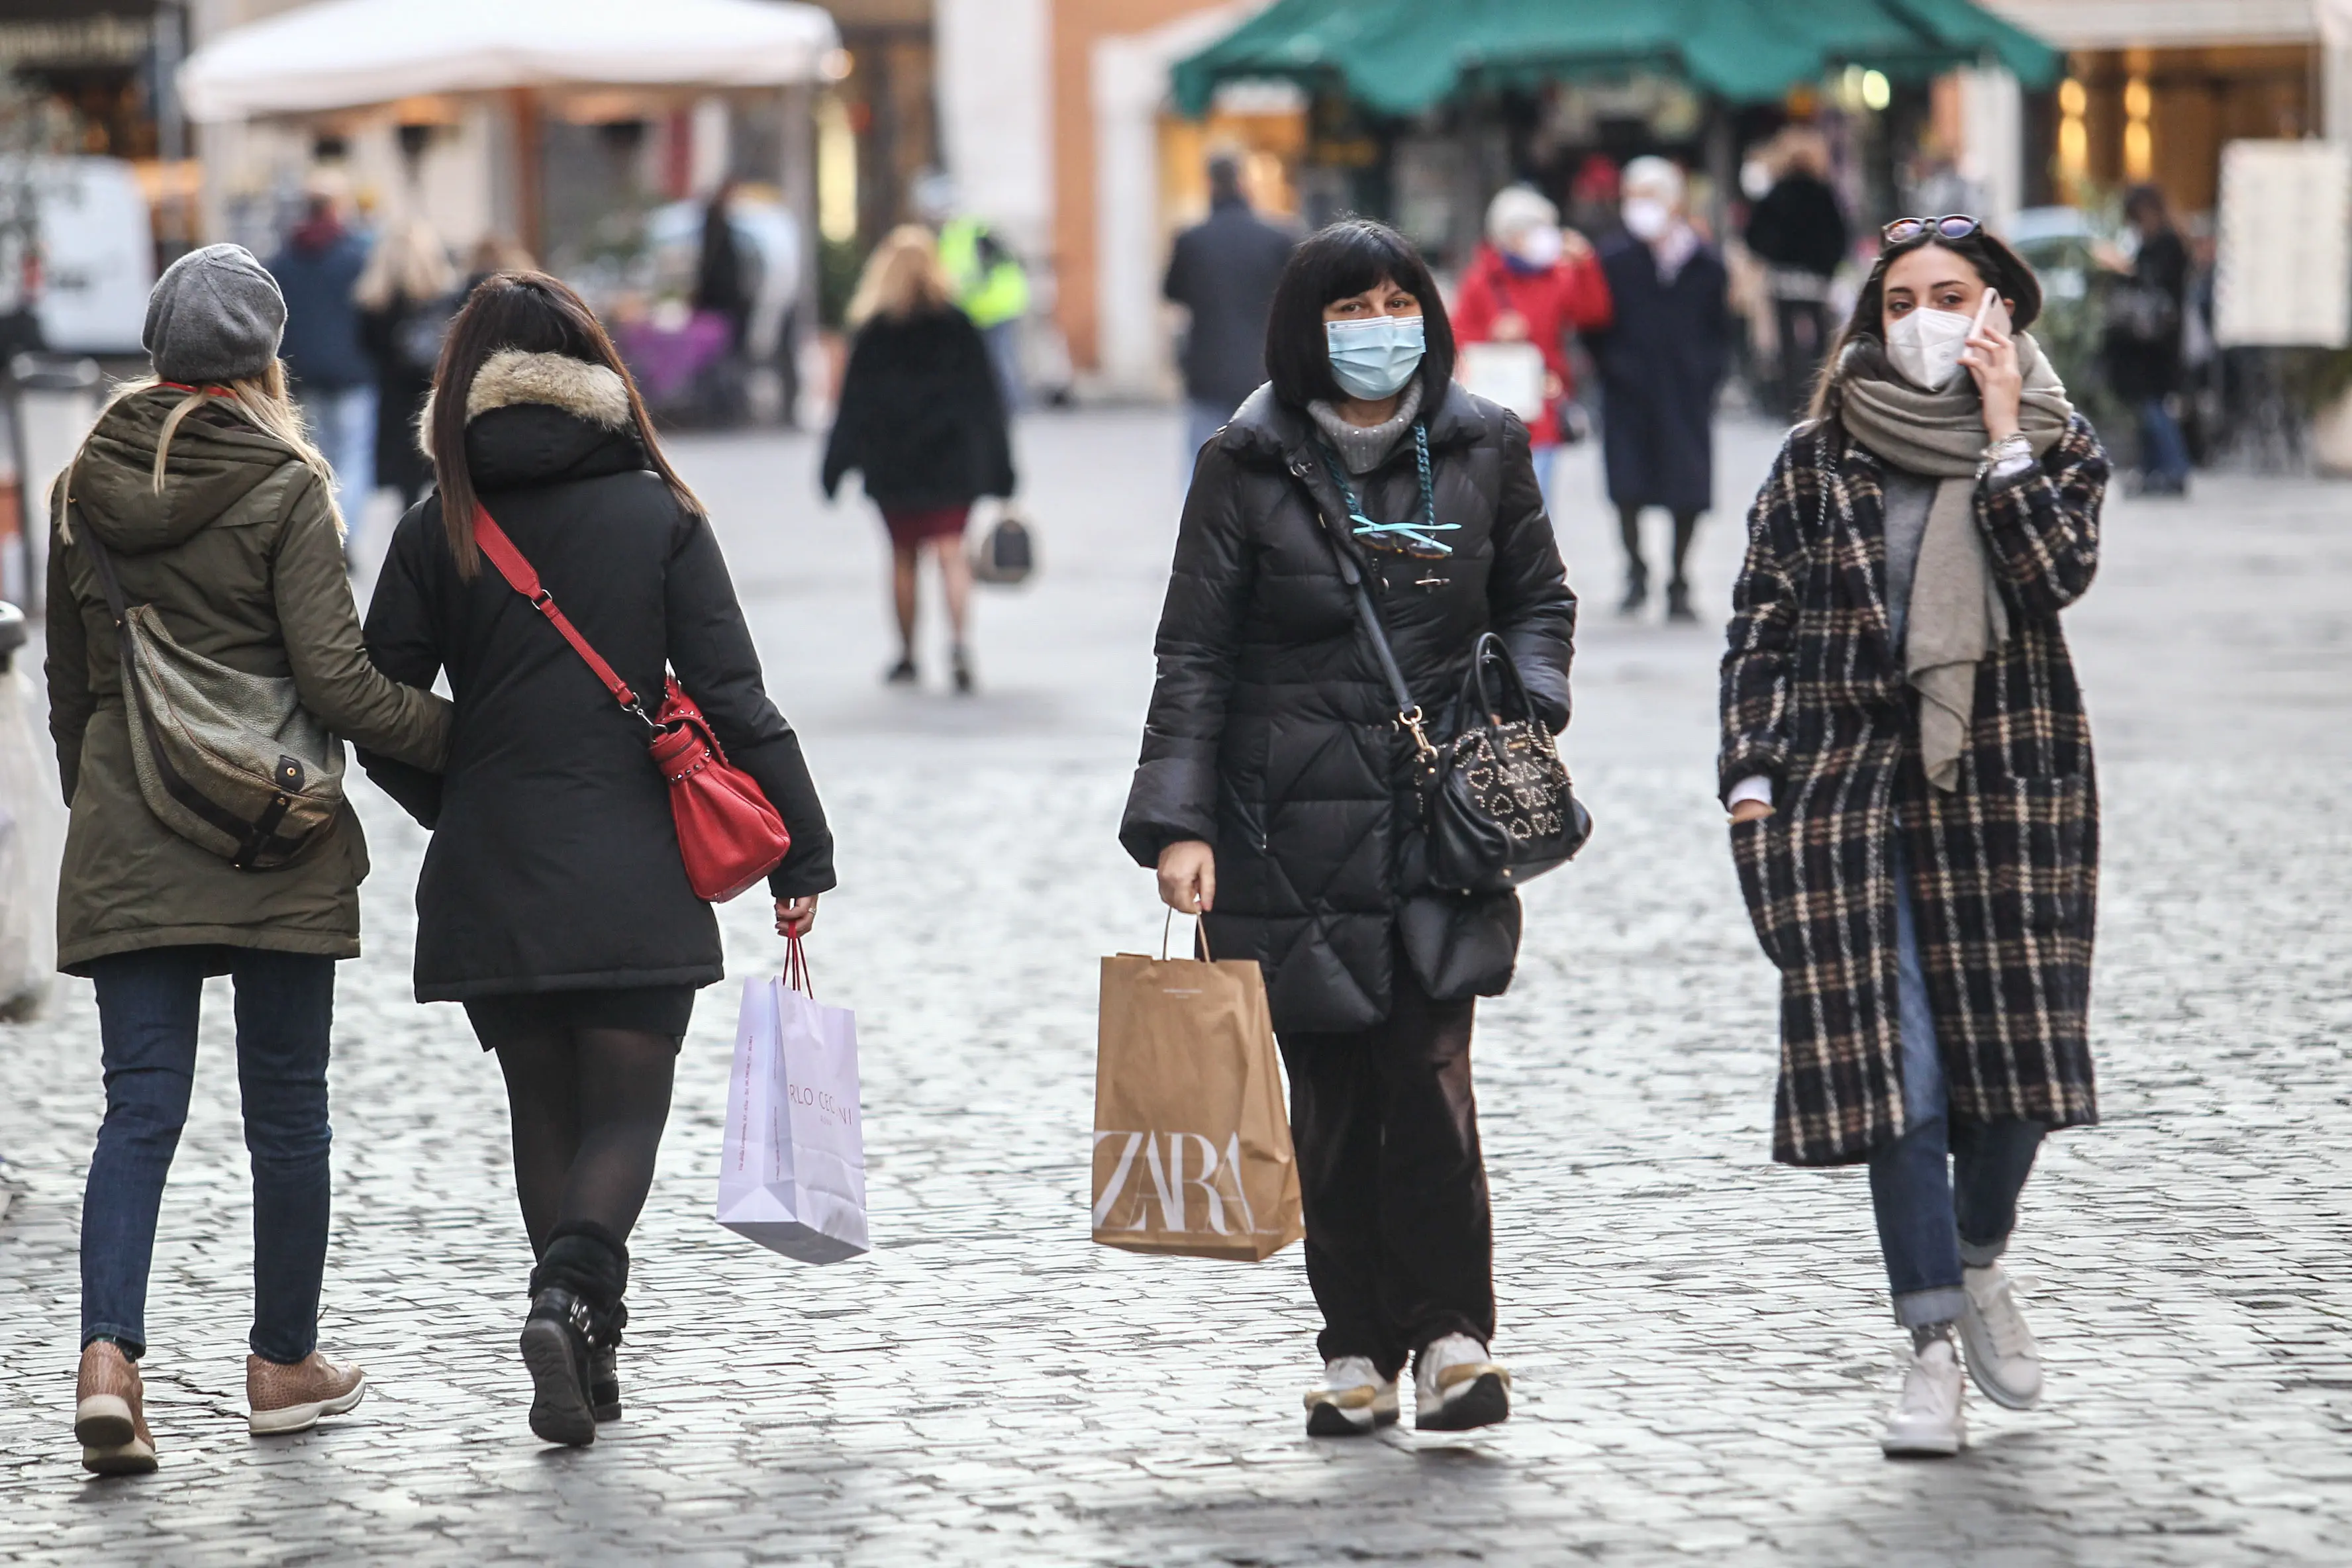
1533	281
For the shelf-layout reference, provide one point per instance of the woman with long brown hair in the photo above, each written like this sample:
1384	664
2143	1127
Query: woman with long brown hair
552	901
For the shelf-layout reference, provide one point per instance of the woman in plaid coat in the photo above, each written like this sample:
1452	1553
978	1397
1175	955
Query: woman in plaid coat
1909	766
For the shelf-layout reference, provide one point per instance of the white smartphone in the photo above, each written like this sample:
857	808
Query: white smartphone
1984	312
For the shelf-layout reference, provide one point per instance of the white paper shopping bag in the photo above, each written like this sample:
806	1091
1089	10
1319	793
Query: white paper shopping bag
792	1168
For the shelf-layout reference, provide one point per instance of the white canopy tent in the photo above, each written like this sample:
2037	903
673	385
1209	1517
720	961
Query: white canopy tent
346	53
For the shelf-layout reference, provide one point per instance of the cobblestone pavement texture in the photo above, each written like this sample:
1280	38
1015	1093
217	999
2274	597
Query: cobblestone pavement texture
1700	1339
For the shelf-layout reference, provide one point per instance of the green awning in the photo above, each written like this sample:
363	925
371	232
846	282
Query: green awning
1400	56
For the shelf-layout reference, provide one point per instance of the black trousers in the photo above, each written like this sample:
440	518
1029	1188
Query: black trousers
1399	1241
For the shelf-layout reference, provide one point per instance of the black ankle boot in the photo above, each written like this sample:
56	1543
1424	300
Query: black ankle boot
605	1382
1678	605
1637	590
576	1317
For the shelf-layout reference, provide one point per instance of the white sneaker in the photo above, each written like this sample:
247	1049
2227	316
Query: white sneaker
1353	1399
2001	1354
1456	1387
1927	1421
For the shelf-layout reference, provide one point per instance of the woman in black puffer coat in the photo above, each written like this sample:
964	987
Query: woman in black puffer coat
921	421
1273	794
553	902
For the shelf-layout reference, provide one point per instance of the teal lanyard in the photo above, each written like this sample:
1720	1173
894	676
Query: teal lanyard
1415	533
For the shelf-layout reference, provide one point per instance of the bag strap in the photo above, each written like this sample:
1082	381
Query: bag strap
1409	716
524	579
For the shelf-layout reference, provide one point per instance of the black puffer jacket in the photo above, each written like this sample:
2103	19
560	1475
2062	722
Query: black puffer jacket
555	865
921	416
1271	733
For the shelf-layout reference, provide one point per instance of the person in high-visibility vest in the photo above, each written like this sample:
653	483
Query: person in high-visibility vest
990	285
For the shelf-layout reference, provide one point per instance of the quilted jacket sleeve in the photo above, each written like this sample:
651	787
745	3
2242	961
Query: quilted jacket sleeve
403	642
2042	526
1527	596
1174	796
1758	664
711	651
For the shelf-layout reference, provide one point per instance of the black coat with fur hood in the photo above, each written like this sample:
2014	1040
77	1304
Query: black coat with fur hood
555	865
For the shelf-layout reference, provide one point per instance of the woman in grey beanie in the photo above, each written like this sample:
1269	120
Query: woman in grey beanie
199	494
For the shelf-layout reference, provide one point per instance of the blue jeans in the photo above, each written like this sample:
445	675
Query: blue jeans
1944	1195
1203	419
1547	465
147	1006
342	422
2163	451
1003	340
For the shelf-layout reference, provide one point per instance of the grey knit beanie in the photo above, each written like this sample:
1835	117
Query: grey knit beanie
215	315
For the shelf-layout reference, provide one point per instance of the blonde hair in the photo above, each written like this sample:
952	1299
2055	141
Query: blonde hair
410	261
262	401
902	277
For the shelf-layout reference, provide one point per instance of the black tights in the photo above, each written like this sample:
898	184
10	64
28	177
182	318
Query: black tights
1629	529
588	1107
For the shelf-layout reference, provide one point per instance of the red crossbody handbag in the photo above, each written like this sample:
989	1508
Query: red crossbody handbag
728	833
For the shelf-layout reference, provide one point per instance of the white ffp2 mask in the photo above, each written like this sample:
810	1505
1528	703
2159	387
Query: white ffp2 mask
1924	346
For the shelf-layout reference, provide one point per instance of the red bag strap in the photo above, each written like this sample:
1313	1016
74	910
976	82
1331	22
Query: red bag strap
524	579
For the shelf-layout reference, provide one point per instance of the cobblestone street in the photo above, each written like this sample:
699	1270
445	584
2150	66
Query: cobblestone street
1700	1340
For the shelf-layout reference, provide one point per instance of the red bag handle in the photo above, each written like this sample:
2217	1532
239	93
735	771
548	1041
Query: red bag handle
524	579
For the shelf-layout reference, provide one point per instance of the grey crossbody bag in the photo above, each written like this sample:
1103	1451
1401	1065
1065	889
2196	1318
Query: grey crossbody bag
230	762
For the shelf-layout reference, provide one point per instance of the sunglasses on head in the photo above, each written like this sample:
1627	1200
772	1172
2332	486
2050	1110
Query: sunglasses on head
1903	230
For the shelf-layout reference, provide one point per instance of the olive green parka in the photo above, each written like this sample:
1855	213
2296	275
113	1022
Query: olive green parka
240	554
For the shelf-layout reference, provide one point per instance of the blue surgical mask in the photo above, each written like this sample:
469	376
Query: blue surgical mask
1374	358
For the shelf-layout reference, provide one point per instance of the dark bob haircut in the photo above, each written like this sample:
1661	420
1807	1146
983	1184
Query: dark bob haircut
1345	259
1994	262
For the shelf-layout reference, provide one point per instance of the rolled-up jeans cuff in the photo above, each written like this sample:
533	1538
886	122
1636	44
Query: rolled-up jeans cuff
1981	1254
1917	1309
133	1344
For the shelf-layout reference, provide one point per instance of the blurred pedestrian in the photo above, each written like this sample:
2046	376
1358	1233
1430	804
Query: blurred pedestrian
922	420
1223	272
198	493
985	278
1908	765
406	297
1799	231
2142	346
552	901
317	270
1533	282
724	281
492	254
1268	793
1662	360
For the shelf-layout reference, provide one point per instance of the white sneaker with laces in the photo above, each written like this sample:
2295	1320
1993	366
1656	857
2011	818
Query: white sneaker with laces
1456	1387
1353	1399
2001	1354
1927	1422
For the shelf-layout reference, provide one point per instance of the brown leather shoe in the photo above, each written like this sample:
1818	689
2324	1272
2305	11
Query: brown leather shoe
292	1398
111	1413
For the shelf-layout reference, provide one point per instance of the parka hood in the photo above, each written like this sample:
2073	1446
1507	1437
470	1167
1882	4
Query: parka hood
217	459
541	419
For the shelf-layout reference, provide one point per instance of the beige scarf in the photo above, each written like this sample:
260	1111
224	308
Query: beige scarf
1957	616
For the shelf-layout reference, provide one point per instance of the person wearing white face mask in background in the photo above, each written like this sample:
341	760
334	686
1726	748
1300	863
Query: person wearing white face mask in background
1274	798
1908	765
1662	360
1533	282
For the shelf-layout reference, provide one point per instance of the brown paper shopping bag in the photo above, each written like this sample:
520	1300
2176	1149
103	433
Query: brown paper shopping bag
1192	1152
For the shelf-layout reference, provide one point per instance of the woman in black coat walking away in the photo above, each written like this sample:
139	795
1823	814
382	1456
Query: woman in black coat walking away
553	902
1662	358
1274	794
922	420
406	297
1908	765
2146	309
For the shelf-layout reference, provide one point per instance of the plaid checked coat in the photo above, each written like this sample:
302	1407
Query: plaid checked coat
2004	868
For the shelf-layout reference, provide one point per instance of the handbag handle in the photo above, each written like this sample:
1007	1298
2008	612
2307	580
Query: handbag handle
796	968
524	580
1491	645
1200	934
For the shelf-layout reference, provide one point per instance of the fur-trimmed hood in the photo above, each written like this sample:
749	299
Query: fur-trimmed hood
512	377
